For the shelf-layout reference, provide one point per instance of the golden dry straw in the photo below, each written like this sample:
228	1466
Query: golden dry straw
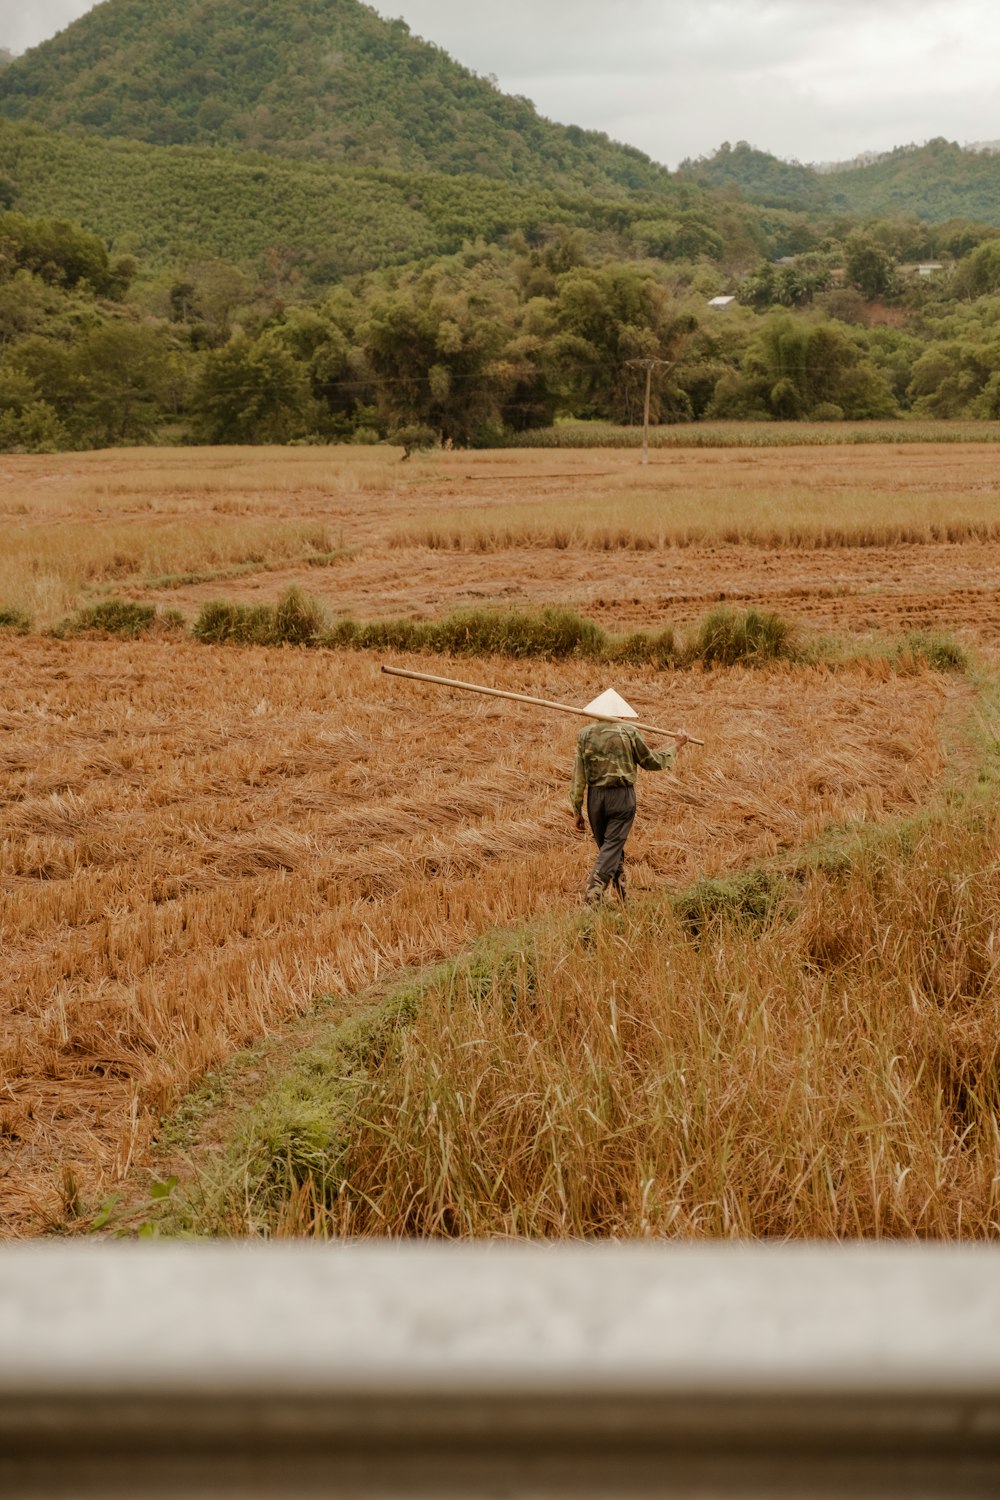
196	843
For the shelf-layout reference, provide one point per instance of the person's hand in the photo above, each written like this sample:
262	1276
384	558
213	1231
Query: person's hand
579	824
680	739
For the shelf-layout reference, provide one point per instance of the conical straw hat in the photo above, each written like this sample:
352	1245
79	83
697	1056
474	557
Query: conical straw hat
612	705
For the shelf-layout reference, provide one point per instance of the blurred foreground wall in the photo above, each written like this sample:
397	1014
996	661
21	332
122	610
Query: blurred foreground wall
499	1370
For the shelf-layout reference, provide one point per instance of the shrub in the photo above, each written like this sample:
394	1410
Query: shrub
377	635
294	1141
727	638
299	619
939	652
296	620
221	623
16	620
477	632
414	438
552	632
749	899
35	428
122	617
656	648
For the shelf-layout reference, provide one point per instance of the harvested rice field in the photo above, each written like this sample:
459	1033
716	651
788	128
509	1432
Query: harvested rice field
197	843
853	538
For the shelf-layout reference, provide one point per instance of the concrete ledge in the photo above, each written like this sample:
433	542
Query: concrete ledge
488	1370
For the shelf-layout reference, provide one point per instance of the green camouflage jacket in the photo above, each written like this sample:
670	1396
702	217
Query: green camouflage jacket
607	755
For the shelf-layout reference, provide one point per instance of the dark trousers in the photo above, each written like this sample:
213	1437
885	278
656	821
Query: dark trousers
611	811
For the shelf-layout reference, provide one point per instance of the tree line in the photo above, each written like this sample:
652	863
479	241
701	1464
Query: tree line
474	347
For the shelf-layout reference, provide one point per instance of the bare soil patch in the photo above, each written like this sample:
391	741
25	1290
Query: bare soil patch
953	586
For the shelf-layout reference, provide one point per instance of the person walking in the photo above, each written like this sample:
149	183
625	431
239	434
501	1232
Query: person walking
607	756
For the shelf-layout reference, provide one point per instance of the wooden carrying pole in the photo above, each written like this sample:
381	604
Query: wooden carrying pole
562	708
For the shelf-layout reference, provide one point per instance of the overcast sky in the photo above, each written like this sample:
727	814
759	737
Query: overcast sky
816	80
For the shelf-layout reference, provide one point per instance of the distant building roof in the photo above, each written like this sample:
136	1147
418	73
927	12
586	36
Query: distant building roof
720	301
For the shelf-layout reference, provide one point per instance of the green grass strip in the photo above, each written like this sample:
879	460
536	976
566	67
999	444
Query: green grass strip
724	638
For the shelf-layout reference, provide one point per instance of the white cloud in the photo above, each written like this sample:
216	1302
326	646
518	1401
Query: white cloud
24	24
814	79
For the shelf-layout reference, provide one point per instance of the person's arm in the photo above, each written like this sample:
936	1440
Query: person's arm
655	760
578	787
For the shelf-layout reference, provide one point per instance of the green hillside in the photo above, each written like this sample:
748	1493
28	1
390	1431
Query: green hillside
760	177
314	79
935	182
176	203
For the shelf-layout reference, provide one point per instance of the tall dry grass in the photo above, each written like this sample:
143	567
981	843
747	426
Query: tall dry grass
46	571
644	521
195	843
77	525
74	524
824	1064
154	481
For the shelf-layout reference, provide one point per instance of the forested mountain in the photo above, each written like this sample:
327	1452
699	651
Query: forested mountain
318	79
760	177
936	182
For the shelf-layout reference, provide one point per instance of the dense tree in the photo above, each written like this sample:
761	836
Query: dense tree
178	208
325	340
804	368
254	392
929	184
27	423
471	347
110	386
26	306
958	379
447	352
762	177
782	286
979	273
62	254
605	318
870	267
206	297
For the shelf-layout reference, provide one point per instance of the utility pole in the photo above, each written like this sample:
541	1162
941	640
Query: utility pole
649	365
